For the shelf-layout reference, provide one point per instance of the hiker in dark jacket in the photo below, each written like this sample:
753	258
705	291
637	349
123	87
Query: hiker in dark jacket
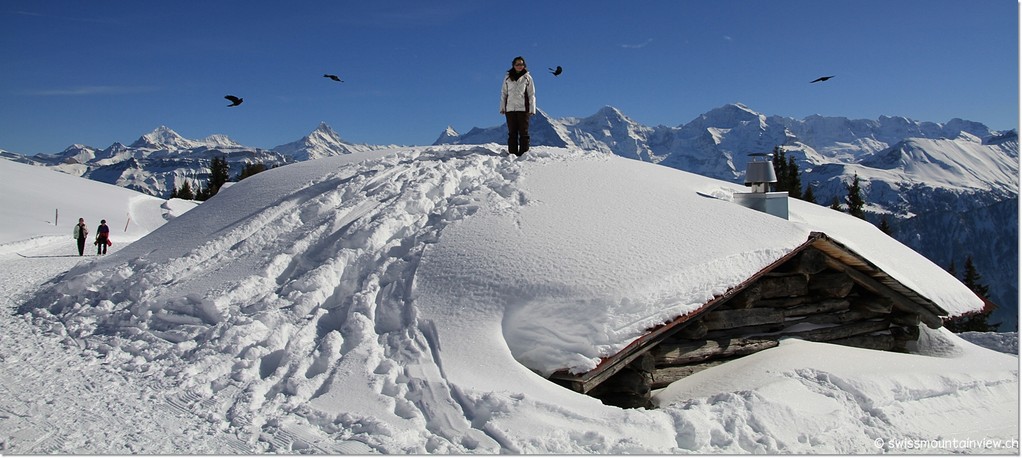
80	233
517	104
102	238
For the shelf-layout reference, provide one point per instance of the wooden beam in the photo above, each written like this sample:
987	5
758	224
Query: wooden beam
884	342
664	376
582	383
900	302
728	319
692	352
824	306
841	331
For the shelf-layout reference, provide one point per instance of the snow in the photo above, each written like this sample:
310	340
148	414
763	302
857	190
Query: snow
42	208
408	301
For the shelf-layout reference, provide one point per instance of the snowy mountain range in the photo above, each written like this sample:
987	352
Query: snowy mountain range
162	160
925	177
948	190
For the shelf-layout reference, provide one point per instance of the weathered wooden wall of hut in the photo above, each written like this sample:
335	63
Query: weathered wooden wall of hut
809	297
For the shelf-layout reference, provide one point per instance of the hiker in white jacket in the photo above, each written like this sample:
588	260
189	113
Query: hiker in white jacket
518	103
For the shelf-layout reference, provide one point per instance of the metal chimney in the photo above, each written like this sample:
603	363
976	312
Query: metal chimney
759	173
760	176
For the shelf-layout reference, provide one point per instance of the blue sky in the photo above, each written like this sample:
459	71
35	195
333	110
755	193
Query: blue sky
98	72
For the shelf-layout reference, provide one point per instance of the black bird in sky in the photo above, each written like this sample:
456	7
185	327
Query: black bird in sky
822	78
556	71
235	101
333	77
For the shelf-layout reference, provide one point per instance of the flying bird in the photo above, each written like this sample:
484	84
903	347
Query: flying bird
333	77
822	78
235	101
556	71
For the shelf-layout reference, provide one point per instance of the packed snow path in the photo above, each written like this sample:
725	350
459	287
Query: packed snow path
57	399
286	313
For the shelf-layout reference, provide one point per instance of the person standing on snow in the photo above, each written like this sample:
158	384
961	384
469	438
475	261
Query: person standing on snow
518	103
102	237
80	233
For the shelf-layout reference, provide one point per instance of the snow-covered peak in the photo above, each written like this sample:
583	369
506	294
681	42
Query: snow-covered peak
1009	138
221	141
607	118
324	134
78	147
728	116
321	142
164	137
961	125
545	130
610	112
960	163
78	154
448	136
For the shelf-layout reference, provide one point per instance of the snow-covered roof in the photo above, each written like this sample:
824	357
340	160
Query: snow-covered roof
580	252
588	252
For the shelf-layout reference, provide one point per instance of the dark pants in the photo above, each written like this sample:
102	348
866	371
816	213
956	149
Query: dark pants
517	132
81	246
101	246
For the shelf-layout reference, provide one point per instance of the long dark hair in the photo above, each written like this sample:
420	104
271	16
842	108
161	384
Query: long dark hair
514	74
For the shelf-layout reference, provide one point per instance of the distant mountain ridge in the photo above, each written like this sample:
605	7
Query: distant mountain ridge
162	160
911	171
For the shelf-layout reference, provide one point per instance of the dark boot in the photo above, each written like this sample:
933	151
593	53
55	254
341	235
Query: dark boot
525	145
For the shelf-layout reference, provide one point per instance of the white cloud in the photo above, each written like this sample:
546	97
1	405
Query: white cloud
637	46
95	90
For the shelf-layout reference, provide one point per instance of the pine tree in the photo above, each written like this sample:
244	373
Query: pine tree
972	279
809	196
780	169
250	169
973	321
856	204
185	192
885	226
219	173
788	176
835	204
794	179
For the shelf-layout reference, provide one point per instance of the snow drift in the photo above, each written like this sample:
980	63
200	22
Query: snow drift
410	299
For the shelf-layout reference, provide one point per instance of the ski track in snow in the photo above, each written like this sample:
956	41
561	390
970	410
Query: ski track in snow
355	238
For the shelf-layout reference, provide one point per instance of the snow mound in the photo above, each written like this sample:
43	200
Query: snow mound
412	298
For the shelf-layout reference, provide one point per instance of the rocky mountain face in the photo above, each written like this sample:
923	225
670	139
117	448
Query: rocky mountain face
949	190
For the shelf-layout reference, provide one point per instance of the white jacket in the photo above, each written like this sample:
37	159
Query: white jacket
518	95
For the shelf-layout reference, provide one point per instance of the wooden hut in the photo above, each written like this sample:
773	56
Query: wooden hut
821	291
